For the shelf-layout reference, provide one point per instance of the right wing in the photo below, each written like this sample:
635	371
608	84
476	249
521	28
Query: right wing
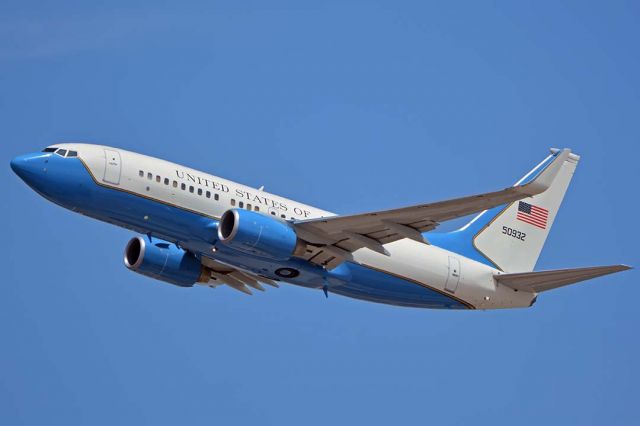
332	239
536	282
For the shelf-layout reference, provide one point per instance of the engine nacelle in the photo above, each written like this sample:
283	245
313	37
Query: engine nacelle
258	234
163	261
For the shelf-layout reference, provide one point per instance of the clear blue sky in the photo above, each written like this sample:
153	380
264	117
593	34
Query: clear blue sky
349	106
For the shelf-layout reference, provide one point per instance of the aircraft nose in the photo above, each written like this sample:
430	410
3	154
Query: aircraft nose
26	166
19	164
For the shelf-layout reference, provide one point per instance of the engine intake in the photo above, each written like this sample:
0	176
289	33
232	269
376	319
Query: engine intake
259	234
164	261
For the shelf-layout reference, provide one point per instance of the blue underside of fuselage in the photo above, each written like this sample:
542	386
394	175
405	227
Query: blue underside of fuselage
69	184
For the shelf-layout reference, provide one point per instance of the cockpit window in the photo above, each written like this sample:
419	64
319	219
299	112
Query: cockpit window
61	152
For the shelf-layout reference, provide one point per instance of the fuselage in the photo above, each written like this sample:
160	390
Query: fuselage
183	206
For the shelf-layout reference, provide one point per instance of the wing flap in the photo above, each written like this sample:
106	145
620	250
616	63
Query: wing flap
536	282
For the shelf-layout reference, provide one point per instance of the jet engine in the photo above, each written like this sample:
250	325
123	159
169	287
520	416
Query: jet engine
258	234
164	261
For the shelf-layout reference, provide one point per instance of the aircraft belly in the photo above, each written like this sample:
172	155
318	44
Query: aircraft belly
378	286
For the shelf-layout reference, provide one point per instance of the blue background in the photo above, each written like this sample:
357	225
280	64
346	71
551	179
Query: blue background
350	106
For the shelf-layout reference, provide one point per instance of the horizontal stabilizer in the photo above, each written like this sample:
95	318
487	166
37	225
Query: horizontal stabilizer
548	280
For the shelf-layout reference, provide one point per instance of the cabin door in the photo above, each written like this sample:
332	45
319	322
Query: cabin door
112	167
454	275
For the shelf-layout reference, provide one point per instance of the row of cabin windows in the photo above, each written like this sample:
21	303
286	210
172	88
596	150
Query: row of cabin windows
242	205
248	206
183	186
199	191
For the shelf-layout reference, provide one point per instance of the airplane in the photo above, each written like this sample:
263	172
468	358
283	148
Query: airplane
196	228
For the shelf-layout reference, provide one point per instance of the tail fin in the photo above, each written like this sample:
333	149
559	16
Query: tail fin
511	237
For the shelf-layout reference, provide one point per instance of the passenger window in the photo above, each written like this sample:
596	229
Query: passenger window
208	194
241	204
183	186
61	152
284	216
141	173
273	213
166	181
216	197
72	154
157	178
191	189
175	184
199	191
149	176
248	206
257	208
233	202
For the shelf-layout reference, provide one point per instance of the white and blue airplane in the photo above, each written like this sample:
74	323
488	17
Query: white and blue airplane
196	228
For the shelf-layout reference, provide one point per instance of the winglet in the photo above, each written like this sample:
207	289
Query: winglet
543	181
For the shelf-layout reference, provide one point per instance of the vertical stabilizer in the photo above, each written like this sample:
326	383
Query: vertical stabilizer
511	237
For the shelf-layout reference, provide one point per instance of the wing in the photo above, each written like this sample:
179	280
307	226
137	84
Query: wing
236	278
333	239
536	282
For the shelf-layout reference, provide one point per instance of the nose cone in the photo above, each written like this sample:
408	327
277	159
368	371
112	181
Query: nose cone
30	167
19	164
56	178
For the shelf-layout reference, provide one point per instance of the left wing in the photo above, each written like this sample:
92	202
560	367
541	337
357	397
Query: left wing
333	239
238	279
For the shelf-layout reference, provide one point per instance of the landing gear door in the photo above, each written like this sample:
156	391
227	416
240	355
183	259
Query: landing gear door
112	167
454	275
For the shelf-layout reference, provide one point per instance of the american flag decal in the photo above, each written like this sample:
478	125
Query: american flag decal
533	215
